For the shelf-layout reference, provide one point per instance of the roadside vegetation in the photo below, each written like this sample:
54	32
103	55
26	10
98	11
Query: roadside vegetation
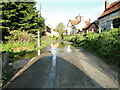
60	28
20	23
105	44
21	42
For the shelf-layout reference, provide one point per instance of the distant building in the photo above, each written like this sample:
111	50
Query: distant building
54	33
51	32
75	26
111	11
91	27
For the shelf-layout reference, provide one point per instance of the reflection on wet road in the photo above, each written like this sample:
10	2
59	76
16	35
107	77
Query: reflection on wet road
59	47
54	48
62	65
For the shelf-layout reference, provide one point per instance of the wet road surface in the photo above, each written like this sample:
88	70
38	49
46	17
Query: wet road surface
64	66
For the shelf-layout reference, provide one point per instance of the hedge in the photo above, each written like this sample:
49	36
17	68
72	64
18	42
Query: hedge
105	44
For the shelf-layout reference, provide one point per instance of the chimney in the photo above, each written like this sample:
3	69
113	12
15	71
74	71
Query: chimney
78	17
106	4
82	18
89	20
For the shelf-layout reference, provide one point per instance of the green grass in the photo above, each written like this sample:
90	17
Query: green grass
18	49
20	46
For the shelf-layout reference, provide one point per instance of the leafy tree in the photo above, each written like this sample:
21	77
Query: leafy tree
21	16
60	29
116	22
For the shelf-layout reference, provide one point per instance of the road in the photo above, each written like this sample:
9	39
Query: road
66	69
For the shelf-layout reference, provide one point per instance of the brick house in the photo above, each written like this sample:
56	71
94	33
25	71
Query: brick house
91	27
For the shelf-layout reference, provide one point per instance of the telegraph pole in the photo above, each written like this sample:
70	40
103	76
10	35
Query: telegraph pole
39	32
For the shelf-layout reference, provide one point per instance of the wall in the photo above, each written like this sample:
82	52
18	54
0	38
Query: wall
54	33
106	22
93	26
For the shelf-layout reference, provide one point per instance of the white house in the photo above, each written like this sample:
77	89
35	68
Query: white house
111	11
54	33
76	26
51	32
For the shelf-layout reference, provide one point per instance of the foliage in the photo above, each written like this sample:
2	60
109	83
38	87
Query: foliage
21	36
5	77
17	44
116	22
60	29
4	31
21	16
106	44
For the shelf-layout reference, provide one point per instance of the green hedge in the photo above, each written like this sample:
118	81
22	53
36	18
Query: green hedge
106	44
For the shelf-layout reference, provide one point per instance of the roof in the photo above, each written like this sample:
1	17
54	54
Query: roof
111	8
86	22
75	22
88	25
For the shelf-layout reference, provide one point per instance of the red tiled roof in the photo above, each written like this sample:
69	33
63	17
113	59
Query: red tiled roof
86	22
74	22
88	25
112	7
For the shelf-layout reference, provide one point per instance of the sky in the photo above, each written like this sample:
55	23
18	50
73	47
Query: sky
56	11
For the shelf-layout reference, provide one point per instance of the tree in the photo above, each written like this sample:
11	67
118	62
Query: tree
60	29
116	22
21	16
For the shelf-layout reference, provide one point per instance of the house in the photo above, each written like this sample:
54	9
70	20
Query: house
75	26
91	27
54	33
51	32
111	11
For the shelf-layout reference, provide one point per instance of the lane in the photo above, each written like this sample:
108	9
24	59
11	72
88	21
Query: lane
66	68
67	76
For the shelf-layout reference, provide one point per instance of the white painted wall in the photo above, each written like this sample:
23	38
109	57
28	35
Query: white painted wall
81	25
69	28
53	33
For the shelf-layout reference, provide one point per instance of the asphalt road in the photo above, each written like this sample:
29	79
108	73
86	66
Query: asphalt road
78	69
63	75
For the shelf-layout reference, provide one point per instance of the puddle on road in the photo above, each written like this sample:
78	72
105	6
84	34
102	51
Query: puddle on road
59	47
55	48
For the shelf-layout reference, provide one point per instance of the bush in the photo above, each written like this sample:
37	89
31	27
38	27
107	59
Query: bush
106	44
4	31
21	36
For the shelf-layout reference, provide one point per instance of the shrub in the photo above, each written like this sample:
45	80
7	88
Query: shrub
4	31
21	36
106	44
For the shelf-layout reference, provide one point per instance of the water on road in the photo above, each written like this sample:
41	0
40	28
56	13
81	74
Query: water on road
61	65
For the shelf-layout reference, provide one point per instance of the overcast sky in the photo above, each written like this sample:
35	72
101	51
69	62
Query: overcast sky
56	11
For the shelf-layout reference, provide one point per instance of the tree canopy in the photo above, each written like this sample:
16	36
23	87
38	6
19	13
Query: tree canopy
21	16
60	29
